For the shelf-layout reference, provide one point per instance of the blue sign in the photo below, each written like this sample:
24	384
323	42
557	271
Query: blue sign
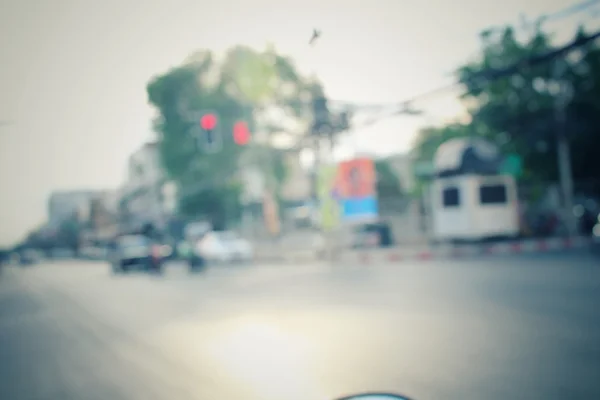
359	208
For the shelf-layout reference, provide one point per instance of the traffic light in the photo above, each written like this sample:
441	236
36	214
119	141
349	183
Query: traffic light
241	133
210	138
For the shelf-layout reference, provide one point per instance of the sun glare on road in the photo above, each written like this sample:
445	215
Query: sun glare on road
267	358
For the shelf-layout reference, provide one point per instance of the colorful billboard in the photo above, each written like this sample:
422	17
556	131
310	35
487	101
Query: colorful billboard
347	192
356	187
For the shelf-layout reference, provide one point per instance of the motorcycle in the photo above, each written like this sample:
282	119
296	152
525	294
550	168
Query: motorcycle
375	396
196	263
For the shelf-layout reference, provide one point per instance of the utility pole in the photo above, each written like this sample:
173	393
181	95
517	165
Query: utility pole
316	145
316	166
562	146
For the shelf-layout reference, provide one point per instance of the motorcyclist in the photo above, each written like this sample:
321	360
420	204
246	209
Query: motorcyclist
193	256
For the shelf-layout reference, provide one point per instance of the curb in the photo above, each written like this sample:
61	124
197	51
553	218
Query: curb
395	255
293	258
464	251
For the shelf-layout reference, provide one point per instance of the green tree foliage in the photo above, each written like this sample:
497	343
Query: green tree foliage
518	111
388	182
430	138
262	88
515	111
391	195
35	239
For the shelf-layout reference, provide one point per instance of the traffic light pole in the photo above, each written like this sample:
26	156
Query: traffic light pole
316	167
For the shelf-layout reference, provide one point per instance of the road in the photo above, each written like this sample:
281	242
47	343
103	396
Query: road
516	327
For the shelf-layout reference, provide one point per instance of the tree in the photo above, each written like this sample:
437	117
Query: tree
271	162
205	179
512	111
426	143
391	195
262	88
517	110
388	183
428	139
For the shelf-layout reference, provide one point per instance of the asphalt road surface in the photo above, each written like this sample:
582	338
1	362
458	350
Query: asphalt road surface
510	327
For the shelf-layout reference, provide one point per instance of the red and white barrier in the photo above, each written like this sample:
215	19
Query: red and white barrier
396	255
412	254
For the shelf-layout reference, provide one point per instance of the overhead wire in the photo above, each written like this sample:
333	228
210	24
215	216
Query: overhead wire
555	16
480	78
488	75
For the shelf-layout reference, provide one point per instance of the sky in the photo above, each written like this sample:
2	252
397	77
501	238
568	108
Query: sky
73	73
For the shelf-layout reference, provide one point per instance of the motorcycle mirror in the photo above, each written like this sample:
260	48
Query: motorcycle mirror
375	396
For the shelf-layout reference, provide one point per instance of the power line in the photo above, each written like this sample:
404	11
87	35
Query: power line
571	10
480	78
483	77
555	16
489	75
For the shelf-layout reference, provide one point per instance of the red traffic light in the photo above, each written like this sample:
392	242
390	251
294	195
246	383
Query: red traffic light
241	133
208	122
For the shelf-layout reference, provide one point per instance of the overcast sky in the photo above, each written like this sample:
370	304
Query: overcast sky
73	73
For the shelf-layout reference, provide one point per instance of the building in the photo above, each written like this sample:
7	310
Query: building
103	215
144	167
63	205
145	197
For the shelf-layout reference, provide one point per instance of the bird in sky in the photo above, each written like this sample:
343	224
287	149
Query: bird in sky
316	34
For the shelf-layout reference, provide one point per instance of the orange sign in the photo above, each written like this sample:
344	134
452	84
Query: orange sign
356	179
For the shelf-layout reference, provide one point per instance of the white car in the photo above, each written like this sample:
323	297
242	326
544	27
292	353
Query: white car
224	246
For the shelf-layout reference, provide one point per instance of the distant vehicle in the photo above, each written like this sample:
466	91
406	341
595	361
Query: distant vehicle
375	234
224	247
186	251
136	252
4	257
29	257
375	396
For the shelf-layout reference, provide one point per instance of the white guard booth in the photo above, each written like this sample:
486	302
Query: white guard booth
469	201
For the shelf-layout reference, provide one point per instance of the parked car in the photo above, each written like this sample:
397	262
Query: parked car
136	252
224	247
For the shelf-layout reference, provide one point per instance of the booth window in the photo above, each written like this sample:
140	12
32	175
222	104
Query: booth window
451	197
493	194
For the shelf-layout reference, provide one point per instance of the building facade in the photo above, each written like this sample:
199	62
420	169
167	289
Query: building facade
63	205
146	197
103	215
